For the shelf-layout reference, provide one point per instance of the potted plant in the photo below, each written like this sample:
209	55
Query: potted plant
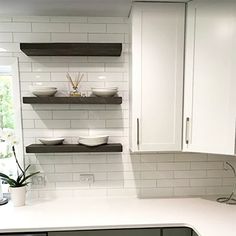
17	186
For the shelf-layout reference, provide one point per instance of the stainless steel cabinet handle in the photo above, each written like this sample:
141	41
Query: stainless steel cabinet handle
137	131
187	131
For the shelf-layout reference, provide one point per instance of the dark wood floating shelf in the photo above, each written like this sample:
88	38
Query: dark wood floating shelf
71	49
72	100
41	148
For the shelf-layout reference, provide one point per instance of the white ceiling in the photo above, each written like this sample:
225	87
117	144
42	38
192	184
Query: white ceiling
65	7
70	7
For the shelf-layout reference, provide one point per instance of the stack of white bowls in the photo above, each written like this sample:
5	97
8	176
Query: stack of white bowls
43	91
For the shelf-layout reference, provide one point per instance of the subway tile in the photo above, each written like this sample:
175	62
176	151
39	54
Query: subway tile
63	19
106	38
30	19
5	37
49	67
104	77
86	67
52	124
173	166
10	47
25	67
116	67
190	174
218	190
5	19
206	182
106	20
69	37
28	124
71	168
117	123
165	183
155	192
28	115
15	27
89	158
34	77
31	37
88	28
50	27
63	177
72	115
189	191
90	124
101	115
117	28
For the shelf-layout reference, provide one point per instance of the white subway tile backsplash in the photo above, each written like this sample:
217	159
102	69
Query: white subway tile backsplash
117	28
106	38
35	77
116	174
15	27
86	67
10	47
50	27
49	67
65	37
63	19
88	28
30	19
6	37
31	37
106	20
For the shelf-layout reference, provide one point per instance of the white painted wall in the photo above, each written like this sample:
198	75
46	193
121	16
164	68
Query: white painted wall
153	175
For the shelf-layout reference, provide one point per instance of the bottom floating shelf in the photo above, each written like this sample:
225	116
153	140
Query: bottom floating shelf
41	148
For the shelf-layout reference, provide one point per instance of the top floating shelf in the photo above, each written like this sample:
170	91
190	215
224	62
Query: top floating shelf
71	49
72	100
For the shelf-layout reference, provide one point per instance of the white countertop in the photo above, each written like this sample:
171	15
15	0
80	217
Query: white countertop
207	218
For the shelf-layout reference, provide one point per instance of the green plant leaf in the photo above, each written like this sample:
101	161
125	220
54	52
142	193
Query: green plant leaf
29	176
8	179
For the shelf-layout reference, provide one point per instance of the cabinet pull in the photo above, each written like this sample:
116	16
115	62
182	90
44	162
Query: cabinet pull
187	131
137	131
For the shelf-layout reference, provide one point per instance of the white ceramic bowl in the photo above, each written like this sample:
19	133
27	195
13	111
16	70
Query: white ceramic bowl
44	93
105	92
40	87
51	141
93	140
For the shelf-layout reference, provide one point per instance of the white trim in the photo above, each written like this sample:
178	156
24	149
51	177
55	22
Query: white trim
13	62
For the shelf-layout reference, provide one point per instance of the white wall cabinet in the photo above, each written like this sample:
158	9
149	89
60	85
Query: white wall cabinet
156	89
210	78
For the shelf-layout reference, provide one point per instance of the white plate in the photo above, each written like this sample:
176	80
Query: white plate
104	92
51	141
93	140
44	93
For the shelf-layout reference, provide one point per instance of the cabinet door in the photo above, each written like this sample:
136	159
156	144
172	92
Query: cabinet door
209	107
157	76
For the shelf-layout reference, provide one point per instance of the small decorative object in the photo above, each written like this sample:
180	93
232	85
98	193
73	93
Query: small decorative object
18	185
93	140
75	84
105	92
51	141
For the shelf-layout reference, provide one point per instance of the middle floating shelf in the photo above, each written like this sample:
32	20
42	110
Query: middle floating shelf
72	100
41	148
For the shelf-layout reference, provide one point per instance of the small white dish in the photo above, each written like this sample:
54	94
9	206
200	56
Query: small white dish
44	93
105	92
93	140
51	141
41	87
